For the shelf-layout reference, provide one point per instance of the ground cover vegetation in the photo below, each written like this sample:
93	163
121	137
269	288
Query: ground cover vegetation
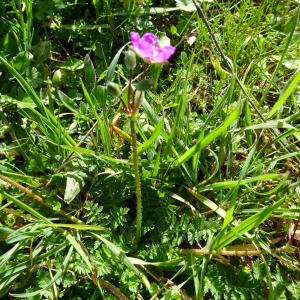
121	179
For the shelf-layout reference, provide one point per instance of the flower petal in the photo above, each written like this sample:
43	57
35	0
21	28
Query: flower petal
134	36
147	47
149	39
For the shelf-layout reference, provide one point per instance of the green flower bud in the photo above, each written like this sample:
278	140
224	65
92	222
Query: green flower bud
130	60
57	78
114	89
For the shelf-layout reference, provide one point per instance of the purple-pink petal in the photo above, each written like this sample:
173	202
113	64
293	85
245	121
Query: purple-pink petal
149	39
134	37
147	47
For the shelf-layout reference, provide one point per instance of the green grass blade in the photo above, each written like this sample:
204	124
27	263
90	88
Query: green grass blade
9	276
270	124
234	192
19	235
27	208
27	88
5	257
29	180
224	239
169	263
207	202
80	251
70	238
151	114
90	152
229	184
248	122
102	125
271	191
57	276
90	74
113	65
290	87
53	123
152	139
69	104
120	255
283	55
209	138
181	99
73	226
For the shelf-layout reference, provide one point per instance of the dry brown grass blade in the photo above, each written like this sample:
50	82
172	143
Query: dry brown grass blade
113	289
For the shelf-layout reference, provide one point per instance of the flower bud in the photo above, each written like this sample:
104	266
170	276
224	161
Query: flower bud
130	60
114	89
57	78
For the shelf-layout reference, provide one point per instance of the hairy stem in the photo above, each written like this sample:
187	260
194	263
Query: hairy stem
137	180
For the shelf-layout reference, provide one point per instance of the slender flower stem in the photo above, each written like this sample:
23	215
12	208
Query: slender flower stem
129	94
137	179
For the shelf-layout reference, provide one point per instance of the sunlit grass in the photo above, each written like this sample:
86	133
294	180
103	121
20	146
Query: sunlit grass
217	145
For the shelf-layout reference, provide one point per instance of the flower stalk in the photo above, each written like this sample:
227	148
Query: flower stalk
132	112
137	180
150	50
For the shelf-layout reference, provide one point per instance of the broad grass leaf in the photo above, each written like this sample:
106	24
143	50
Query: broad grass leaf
225	238
19	235
153	137
80	251
68	102
210	204
229	184
113	65
89	74
289	88
9	276
5	232
42	51
221	72
99	96
209	138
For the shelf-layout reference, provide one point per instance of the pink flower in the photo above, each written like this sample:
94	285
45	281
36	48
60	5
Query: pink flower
147	47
